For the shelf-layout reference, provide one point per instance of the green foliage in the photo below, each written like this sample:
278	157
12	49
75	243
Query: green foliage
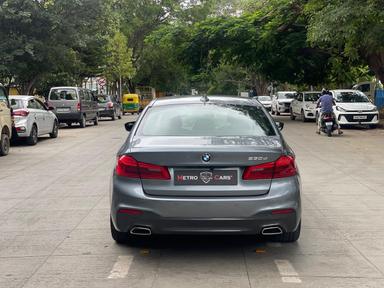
44	37
118	58
354	27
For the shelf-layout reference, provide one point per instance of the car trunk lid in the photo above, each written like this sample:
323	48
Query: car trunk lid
218	176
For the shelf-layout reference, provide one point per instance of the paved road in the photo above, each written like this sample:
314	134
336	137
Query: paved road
54	221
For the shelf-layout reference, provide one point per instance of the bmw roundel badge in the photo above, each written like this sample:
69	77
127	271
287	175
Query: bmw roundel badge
206	157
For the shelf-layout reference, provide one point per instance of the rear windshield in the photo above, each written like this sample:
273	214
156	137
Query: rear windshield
351	97
206	120
63	94
103	99
312	97
16	103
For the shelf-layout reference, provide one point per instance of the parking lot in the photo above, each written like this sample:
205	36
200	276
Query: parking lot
54	220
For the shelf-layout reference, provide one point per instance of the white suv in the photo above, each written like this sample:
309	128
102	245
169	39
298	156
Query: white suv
281	102
354	108
304	105
5	122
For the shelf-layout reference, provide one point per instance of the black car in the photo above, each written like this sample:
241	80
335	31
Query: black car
109	106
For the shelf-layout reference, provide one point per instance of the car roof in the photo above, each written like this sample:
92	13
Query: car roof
345	90
21	97
173	100
67	87
311	92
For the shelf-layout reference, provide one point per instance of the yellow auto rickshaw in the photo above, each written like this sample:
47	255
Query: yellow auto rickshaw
131	103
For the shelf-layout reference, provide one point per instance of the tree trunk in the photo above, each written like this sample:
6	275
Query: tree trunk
131	86
26	88
260	84
376	64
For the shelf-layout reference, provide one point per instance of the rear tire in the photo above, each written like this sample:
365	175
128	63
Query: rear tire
55	130
96	120
119	237
114	116
83	122
4	144
288	237
33	136
329	131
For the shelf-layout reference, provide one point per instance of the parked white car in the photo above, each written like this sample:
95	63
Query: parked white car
5	123
281	102
266	101
33	119
354	108
304	105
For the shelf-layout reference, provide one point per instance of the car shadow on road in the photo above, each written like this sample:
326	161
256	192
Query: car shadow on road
198	242
18	142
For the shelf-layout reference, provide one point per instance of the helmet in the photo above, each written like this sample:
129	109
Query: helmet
324	91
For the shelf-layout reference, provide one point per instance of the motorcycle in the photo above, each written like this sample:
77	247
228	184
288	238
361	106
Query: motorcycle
328	123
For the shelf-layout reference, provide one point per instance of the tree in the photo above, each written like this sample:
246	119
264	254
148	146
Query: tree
41	38
354	28
118	59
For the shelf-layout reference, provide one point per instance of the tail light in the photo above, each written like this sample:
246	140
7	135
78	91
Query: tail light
283	167
110	105
20	112
78	106
127	166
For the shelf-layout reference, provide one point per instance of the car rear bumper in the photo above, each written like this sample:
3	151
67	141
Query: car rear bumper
106	113
69	117
22	128
211	215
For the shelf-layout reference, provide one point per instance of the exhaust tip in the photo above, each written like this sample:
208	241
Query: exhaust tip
270	231
141	231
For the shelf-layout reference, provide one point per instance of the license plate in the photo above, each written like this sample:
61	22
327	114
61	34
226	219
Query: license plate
360	117
205	177
62	110
102	109
329	123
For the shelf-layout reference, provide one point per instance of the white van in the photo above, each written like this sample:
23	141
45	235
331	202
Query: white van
5	122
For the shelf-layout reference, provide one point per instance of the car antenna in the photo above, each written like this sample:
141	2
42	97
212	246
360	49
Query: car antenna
204	98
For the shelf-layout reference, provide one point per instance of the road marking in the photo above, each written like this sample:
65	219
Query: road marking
121	267
287	272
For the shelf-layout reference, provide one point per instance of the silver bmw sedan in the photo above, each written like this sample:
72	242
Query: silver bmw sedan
205	165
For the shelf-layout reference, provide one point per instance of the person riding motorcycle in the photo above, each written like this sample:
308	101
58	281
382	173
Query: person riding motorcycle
326	103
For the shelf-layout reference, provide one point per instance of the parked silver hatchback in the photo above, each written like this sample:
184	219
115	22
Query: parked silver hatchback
32	119
74	105
205	165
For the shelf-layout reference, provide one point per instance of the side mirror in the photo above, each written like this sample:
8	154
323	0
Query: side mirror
280	125
129	126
